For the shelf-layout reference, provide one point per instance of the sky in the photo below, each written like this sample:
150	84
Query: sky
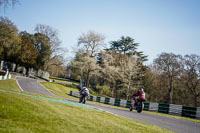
157	25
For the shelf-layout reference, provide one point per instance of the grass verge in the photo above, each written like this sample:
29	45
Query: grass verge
62	90
13	76
9	84
64	80
21	113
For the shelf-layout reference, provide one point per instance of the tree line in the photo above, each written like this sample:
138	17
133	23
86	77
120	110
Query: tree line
118	71
40	50
114	70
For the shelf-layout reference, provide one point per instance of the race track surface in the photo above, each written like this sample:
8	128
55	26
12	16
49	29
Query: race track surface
173	124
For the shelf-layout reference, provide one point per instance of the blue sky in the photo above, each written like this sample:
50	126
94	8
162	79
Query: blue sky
158	25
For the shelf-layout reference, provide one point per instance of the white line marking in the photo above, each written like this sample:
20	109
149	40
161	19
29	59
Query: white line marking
45	88
19	85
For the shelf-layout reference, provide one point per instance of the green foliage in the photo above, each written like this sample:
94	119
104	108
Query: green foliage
25	49
104	91
127	45
9	40
28	53
119	67
42	45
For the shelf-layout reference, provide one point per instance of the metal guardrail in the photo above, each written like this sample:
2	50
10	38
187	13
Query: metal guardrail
172	109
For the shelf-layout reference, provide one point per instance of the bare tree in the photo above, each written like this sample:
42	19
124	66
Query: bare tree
86	65
6	3
130	70
53	36
91	42
110	70
55	43
119	70
57	67
169	64
191	75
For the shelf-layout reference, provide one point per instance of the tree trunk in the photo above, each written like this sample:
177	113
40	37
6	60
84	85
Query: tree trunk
171	89
17	65
195	100
114	90
127	94
27	71
88	79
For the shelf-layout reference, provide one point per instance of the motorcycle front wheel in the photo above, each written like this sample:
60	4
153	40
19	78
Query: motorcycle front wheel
131	108
140	107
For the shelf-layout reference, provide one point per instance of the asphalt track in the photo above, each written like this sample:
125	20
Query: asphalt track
173	124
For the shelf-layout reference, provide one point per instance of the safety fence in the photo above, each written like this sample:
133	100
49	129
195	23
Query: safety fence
6	76
172	109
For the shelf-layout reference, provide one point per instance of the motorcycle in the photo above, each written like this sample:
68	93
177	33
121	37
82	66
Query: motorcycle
137	103
83	98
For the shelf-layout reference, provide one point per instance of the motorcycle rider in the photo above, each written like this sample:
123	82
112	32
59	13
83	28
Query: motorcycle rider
84	93
140	94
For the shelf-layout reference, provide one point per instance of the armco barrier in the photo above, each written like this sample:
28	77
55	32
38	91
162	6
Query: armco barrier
128	104
163	108
123	103
117	102
7	76
153	107
175	109
171	109
98	99
107	100
112	101
189	111
146	106
91	97
198	113
102	100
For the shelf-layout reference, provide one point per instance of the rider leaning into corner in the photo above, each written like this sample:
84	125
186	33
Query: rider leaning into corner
84	93
140	94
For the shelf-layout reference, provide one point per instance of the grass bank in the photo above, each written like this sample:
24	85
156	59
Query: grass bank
9	84
20	113
60	89
64	80
63	90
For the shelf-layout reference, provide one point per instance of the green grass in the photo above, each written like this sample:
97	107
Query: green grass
64	80
13	76
173	116
9	84
21	113
62	90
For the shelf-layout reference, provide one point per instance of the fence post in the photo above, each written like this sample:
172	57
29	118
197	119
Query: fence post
70	93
